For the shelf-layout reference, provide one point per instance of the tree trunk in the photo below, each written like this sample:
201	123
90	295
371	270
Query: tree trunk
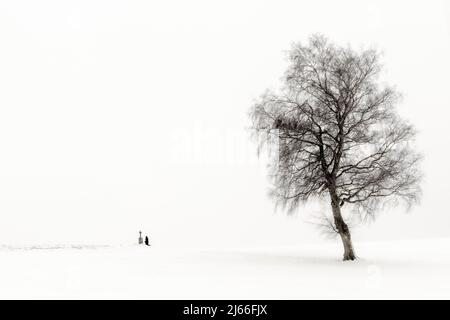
342	228
349	253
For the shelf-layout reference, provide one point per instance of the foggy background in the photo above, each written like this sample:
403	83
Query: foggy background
120	116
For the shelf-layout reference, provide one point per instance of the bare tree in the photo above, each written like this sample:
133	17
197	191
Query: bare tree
338	135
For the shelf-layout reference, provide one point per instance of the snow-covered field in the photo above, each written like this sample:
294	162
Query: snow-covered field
399	269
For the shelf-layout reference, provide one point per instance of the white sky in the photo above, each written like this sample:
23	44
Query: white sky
117	116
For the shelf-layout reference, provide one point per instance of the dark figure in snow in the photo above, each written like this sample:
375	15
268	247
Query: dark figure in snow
140	238
146	241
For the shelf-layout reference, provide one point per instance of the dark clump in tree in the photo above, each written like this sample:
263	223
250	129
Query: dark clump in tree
337	135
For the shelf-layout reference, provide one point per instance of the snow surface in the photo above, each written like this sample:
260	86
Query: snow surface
398	269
